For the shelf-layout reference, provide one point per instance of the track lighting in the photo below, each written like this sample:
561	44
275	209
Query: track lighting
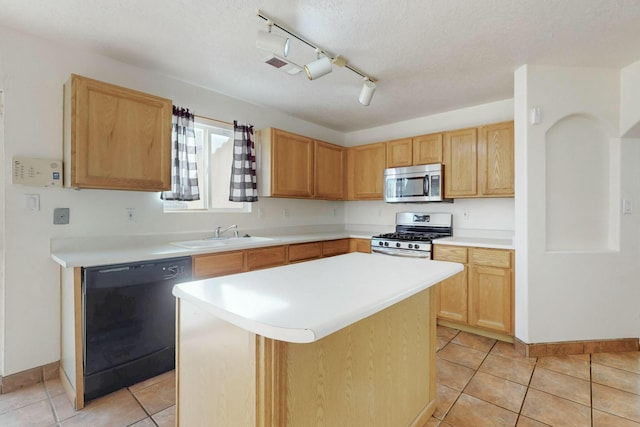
314	69
272	43
318	68
367	91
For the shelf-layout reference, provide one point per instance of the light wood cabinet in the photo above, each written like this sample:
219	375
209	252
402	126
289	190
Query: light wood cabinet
460	158
365	165
292	166
496	160
482	295
335	247
360	245
272	256
400	153
330	171
217	264
427	149
305	251
116	138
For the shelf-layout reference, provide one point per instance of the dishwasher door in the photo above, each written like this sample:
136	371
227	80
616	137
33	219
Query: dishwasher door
129	322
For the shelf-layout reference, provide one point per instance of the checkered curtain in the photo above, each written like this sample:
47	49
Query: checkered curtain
184	173
243	187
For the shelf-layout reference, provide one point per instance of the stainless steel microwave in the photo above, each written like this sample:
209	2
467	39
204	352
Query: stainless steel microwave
414	184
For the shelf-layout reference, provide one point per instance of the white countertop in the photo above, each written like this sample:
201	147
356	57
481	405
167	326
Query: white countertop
89	252
479	242
305	302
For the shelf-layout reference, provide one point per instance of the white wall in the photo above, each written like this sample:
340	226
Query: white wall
573	295
32	73
630	101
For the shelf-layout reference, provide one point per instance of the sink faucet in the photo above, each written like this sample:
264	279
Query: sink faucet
217	233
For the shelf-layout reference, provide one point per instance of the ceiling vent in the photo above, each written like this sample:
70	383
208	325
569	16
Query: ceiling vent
283	64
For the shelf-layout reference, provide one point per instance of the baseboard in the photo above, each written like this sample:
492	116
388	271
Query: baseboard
29	377
565	348
478	331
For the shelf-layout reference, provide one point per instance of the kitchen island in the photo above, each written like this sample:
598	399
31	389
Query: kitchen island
341	341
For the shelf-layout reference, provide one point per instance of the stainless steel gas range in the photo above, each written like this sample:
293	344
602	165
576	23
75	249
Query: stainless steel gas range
413	235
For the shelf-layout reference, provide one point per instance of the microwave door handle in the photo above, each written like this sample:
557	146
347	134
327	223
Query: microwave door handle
426	185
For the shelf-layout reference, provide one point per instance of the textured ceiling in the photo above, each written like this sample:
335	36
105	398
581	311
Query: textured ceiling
428	56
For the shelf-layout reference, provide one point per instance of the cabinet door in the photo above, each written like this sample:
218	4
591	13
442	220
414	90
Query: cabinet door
335	247
460	157
292	165
495	160
330	163
427	149
272	256
400	153
220	264
451	297
119	139
366	165
490	296
305	251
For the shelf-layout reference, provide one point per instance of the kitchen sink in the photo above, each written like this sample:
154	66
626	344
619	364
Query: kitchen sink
222	242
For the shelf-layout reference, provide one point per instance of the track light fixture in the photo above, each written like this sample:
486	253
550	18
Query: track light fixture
272	42
319	67
367	91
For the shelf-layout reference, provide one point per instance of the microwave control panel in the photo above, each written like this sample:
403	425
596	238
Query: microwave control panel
37	172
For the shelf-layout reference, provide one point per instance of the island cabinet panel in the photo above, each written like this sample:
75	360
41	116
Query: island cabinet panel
400	153
460	157
366	164
335	247
330	171
218	264
427	149
305	251
379	371
116	138
496	160
271	256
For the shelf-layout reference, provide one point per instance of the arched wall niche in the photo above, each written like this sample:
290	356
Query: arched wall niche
580	159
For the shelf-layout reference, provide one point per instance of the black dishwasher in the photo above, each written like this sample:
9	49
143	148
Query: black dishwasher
129	318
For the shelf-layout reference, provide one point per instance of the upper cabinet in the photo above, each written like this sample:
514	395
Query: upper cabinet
479	162
419	150
495	160
300	167
116	138
365	166
330	168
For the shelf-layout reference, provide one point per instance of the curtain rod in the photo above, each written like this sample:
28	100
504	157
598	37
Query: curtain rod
215	120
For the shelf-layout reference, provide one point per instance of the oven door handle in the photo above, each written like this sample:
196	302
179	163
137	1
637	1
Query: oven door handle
402	253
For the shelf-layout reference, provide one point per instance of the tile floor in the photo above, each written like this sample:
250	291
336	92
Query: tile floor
481	382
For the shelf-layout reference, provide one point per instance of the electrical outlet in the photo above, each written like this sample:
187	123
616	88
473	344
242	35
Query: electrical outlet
131	214
61	216
260	213
285	213
466	215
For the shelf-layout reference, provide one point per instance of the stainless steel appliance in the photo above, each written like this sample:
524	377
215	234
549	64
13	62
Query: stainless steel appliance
129	322
414	184
413	235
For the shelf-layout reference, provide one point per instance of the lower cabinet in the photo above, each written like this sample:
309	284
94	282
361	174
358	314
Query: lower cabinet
482	295
305	251
272	256
360	245
335	247
218	264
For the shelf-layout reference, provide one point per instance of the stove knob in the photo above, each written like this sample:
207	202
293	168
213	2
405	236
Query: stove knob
398	245
410	245
417	246
380	243
386	243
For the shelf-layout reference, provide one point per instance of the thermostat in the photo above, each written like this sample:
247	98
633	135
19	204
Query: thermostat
37	172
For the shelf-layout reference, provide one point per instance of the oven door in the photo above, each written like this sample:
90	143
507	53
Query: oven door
407	253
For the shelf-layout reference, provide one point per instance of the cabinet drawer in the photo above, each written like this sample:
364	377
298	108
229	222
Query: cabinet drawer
490	257
266	257
213	265
335	247
450	253
305	251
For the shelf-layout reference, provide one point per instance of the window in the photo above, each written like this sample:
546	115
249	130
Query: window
214	150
